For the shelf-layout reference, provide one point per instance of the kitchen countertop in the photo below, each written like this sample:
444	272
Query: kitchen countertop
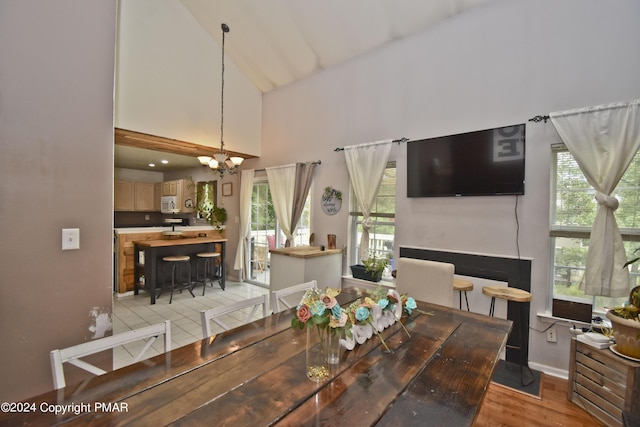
305	251
132	230
178	242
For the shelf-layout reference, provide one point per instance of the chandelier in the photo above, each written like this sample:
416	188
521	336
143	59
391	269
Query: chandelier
221	162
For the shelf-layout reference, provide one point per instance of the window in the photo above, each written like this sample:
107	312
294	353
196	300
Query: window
381	234
573	210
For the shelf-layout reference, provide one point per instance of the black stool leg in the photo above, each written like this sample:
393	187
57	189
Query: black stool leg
524	346
467	300
173	281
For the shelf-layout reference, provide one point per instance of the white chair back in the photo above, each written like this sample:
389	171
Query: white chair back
429	281
213	314
74	354
278	297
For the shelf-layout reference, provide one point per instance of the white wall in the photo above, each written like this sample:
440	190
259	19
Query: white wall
56	171
168	79
496	65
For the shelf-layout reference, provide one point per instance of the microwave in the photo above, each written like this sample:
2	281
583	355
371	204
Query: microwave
169	204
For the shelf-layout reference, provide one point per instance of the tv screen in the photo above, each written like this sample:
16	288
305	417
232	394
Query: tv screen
482	163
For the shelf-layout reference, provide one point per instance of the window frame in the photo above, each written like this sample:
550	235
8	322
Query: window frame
576	232
355	220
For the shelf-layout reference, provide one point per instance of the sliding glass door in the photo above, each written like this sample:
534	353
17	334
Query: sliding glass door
266	233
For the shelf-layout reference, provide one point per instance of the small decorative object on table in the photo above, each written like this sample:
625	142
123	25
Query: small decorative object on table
325	322
375	313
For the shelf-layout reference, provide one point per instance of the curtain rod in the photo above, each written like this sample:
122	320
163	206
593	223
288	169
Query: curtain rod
397	141
319	162
539	119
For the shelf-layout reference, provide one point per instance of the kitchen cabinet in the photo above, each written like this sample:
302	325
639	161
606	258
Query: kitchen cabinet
157	194
123	196
143	199
135	196
170	188
184	190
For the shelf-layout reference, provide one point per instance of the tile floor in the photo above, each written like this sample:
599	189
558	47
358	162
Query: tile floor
135	311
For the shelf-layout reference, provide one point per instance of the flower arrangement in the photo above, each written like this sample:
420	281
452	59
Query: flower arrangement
363	316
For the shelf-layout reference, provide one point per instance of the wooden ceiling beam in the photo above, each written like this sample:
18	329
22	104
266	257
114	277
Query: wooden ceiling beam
167	145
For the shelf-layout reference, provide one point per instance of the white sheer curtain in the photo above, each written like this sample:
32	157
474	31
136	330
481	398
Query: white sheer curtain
603	140
366	164
282	180
246	189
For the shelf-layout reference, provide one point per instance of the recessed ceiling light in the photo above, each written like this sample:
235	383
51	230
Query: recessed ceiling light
164	162
153	165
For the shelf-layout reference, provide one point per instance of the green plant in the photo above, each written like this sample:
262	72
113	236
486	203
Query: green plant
214	215
331	192
375	265
632	309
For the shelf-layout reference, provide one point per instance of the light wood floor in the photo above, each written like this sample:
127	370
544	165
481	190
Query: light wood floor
505	407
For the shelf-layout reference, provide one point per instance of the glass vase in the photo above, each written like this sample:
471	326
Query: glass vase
317	360
333	346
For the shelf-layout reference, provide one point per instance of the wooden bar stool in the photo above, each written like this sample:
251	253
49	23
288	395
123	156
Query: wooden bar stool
462	285
518	296
175	261
212	264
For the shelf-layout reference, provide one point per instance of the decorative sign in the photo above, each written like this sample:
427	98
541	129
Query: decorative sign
331	201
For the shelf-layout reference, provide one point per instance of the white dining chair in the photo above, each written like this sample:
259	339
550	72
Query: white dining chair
278	297
213	314
75	353
424	280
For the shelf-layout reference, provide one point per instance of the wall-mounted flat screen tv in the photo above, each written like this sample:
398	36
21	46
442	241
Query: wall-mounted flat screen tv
482	163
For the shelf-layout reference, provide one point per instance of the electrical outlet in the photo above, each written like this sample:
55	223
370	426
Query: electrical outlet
551	335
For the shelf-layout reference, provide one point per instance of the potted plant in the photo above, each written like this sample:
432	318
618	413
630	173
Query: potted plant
215	215
371	269
626	323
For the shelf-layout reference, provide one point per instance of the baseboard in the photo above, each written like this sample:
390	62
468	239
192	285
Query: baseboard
550	370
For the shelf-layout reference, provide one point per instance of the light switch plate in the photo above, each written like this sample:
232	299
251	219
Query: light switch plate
70	239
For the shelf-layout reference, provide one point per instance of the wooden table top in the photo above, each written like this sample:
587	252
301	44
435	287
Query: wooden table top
256	375
177	242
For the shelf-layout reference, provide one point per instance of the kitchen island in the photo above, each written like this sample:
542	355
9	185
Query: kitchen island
154	250
300	264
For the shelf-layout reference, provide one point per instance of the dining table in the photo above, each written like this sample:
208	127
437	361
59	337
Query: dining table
436	372
154	250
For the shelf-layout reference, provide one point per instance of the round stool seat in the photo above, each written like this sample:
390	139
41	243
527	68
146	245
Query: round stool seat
208	254
176	258
462	285
505	293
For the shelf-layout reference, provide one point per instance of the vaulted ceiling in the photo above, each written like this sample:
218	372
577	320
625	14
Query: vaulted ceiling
277	42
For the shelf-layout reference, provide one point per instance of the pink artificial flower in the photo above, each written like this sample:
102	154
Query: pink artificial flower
328	301
304	313
338	323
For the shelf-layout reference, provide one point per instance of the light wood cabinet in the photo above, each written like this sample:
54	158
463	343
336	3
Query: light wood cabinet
157	195
144	196
170	188
123	196
136	196
184	190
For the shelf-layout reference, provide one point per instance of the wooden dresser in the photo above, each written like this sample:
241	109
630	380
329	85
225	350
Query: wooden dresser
603	383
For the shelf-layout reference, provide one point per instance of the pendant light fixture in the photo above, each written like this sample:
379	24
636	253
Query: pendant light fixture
221	162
